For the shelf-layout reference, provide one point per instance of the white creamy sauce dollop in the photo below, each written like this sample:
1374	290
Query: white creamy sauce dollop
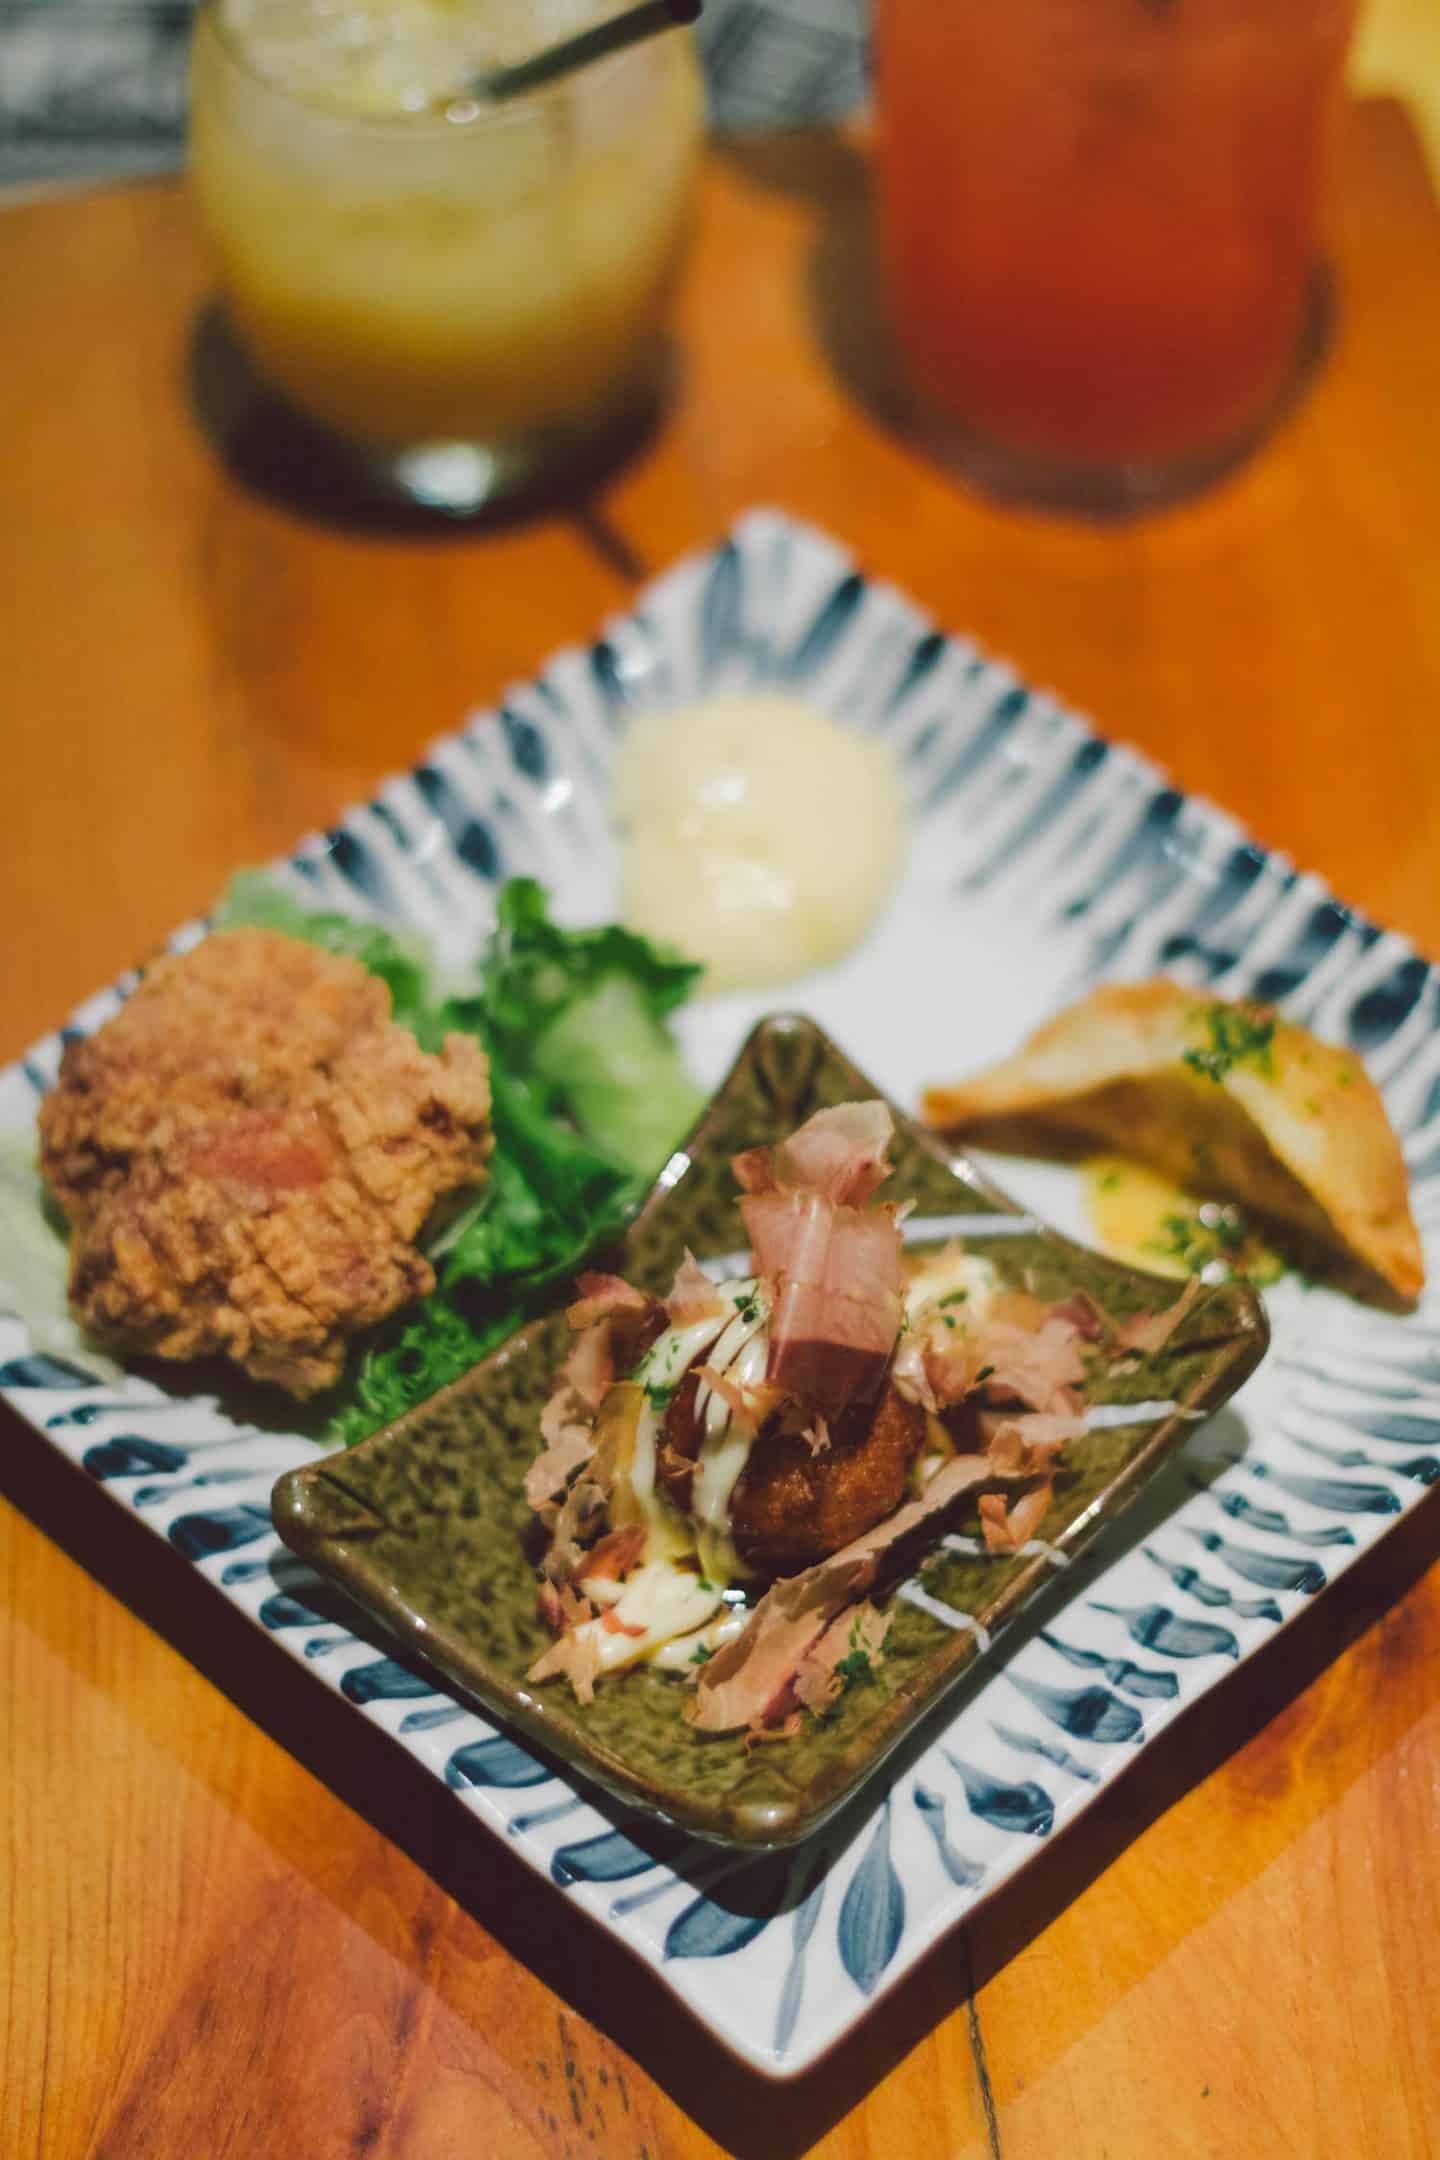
758	834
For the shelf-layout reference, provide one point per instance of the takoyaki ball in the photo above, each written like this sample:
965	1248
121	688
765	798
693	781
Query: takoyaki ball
795	1504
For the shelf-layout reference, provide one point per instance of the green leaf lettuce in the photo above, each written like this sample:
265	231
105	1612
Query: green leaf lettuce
588	1097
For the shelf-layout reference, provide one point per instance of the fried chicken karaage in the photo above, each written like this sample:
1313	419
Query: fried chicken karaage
247	1152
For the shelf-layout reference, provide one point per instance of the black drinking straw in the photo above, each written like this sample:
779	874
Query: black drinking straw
586	47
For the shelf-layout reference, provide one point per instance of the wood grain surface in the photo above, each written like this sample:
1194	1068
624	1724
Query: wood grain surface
235	1921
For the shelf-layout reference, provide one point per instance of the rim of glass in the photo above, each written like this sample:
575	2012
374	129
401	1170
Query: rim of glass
466	113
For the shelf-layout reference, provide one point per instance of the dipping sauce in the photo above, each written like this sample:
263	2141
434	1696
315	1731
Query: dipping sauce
758	834
1151	1222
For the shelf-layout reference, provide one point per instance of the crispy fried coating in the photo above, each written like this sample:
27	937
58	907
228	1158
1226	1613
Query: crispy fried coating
246	1153
795	1502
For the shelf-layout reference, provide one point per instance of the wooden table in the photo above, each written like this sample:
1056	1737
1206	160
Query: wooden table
236	1922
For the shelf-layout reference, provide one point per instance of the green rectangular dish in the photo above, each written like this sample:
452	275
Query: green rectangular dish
426	1526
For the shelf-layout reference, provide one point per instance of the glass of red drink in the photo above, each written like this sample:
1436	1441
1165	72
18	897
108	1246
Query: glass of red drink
1101	229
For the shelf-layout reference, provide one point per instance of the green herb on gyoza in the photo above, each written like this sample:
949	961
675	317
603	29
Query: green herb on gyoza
1238	1035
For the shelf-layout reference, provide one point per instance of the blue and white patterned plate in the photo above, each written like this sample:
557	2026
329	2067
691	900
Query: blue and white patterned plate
1043	860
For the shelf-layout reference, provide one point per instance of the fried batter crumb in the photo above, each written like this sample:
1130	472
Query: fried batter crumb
247	1153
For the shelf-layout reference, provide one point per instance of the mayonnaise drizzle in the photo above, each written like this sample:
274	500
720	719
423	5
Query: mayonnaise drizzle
659	1599
946	1274
664	1368
740	1355
740	1351
675	1655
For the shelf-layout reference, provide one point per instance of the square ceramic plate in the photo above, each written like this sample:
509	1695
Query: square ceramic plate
425	1524
1042	860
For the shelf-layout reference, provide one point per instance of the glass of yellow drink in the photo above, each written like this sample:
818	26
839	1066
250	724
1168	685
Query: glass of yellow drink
468	296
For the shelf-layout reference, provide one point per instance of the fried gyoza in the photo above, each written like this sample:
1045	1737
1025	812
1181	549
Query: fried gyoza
247	1152
1221	1097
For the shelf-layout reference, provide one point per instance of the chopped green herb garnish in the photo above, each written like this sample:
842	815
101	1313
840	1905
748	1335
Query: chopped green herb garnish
1237	1037
1214	1242
659	1394
948	1318
701	1654
855	1668
986	1372
1110	1181
707	1587
954	1297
